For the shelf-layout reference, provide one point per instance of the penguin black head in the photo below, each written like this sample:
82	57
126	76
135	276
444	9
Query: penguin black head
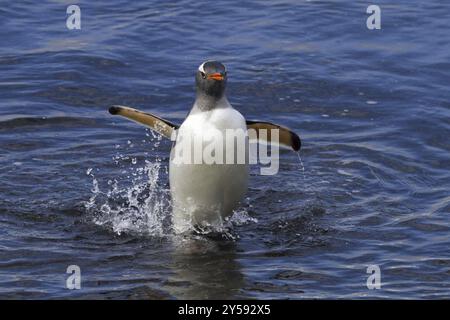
211	79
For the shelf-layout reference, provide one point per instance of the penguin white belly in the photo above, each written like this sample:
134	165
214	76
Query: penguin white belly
205	194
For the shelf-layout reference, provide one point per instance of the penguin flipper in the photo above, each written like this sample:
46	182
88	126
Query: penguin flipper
287	137
162	126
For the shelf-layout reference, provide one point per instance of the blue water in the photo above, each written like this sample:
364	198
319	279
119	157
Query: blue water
78	186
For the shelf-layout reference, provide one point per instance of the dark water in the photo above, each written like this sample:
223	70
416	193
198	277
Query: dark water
372	108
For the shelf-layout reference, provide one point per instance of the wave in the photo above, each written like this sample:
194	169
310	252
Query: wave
46	122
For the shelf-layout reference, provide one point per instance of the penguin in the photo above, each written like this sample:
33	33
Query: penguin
205	194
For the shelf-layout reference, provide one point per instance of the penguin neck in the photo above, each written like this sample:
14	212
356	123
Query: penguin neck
204	102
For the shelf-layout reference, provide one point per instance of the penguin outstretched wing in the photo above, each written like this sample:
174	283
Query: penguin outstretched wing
287	137
162	126
166	128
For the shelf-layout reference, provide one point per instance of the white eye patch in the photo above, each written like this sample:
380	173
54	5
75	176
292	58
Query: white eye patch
200	68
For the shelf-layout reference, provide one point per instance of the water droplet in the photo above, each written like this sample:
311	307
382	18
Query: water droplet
302	166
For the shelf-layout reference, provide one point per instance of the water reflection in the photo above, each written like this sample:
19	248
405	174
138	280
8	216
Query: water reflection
204	269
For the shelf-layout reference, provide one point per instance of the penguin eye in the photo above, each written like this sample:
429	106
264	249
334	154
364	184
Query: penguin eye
203	74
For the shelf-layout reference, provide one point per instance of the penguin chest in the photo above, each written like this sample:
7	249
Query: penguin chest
204	185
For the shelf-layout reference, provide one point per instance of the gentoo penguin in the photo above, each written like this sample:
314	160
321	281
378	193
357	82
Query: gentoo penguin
204	193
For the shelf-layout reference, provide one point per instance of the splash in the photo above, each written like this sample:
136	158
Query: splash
241	217
137	200
220	228
142	207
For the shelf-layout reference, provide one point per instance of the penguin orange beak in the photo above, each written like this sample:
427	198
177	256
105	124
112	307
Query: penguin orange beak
216	76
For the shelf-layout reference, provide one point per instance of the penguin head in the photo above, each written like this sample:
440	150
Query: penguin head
211	79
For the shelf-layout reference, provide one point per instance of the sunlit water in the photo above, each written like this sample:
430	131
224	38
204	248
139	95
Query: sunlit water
371	185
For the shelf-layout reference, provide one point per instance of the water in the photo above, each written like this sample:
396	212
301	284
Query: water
372	108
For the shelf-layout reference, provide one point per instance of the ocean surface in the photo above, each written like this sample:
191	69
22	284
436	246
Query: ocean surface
80	187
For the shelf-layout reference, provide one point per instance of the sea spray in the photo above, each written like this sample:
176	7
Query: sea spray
137	199
134	201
